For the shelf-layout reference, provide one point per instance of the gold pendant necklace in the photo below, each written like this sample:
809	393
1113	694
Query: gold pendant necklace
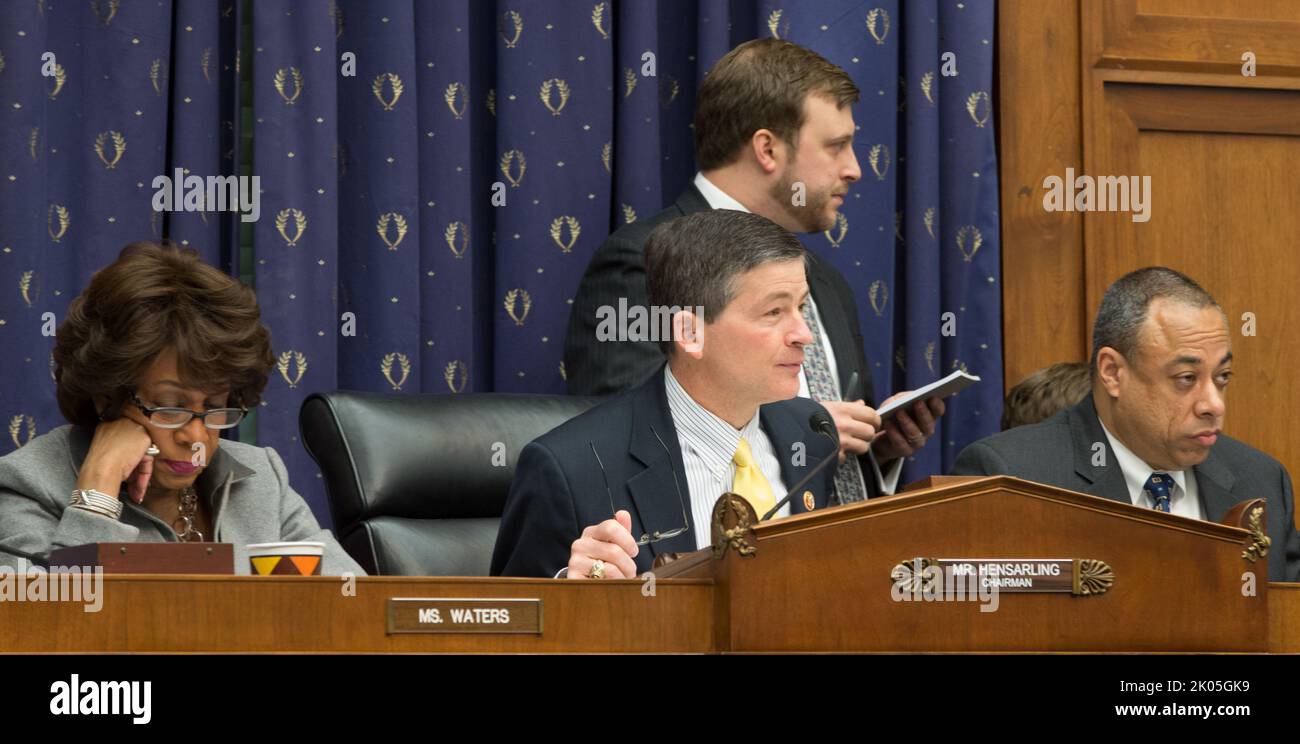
189	504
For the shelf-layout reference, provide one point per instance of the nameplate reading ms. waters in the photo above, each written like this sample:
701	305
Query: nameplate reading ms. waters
464	616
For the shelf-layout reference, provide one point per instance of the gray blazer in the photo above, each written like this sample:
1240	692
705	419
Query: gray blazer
1059	451
245	487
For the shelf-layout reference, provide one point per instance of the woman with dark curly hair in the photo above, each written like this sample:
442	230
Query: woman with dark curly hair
158	355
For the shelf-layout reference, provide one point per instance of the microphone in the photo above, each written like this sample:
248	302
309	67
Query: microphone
821	423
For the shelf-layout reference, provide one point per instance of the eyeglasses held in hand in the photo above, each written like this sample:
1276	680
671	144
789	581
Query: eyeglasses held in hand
658	535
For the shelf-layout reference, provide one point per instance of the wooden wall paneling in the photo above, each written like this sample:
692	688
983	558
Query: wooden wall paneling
1043	317
1221	151
1191	36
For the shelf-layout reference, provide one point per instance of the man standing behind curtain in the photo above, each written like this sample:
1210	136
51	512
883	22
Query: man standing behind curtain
773	136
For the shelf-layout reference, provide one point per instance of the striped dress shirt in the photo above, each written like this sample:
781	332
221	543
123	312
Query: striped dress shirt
708	444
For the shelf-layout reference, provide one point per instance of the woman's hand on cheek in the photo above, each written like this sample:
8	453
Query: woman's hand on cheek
118	455
138	483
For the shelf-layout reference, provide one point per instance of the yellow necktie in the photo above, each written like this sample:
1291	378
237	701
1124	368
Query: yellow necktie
750	482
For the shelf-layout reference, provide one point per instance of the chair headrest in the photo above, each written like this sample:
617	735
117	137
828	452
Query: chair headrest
424	456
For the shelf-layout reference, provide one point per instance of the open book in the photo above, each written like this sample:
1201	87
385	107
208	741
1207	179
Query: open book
954	382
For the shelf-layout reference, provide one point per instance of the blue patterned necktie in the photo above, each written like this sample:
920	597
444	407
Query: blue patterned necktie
1161	488
848	477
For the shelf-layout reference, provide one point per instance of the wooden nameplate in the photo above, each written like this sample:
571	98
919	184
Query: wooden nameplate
149	558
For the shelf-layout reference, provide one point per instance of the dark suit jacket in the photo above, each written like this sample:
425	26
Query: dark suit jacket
618	271
558	489
1059	452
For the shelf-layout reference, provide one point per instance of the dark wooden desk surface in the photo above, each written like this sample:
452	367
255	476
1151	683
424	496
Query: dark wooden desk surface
214	614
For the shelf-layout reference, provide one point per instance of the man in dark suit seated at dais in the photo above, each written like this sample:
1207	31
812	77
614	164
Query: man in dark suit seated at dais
603	494
1150	434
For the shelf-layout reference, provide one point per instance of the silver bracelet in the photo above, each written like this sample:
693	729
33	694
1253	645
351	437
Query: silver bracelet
90	500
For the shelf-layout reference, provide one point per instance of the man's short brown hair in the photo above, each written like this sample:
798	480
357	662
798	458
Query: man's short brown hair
152	298
1042	394
761	84
695	260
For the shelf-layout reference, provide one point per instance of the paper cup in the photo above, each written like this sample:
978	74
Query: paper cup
285	558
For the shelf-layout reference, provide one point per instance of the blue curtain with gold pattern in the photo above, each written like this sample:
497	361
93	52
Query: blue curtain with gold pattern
97	99
436	174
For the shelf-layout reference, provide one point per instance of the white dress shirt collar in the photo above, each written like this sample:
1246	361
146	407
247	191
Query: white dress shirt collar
716	197
1136	472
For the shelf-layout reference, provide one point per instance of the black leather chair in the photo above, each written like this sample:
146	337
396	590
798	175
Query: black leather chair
417	483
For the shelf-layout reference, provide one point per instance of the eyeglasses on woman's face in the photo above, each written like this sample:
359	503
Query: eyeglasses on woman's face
167	417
